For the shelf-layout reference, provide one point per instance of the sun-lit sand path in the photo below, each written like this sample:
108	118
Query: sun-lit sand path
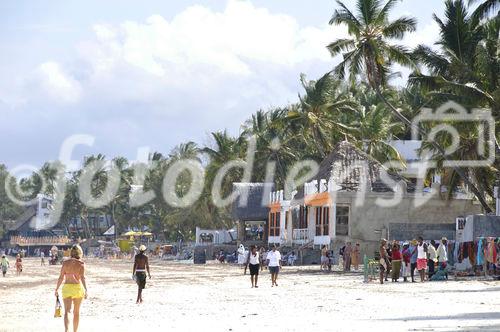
219	298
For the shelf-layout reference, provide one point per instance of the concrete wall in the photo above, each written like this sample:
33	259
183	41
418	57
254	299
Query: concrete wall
370	222
486	226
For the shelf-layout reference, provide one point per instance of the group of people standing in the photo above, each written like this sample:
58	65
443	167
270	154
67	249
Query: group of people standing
415	255
350	257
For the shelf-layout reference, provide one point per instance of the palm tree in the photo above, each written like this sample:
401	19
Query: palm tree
374	126
320	110
465	69
371	52
485	8
274	142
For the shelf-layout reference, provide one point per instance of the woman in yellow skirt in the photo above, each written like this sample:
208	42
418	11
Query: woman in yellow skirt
74	289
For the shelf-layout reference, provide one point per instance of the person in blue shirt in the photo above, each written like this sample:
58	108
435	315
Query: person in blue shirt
413	258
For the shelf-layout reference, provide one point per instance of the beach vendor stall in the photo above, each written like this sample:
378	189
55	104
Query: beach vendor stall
475	251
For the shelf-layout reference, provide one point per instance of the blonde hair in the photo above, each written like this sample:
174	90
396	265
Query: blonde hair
76	252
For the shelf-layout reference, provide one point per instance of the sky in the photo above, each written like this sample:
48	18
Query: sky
157	73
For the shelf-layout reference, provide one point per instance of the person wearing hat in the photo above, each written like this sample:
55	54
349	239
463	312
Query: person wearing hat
432	258
442	255
4	265
413	258
141	265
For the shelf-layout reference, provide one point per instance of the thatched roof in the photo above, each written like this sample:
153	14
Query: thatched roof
256	207
24	219
350	167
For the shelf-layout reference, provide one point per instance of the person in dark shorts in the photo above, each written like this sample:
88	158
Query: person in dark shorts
141	266
274	264
253	261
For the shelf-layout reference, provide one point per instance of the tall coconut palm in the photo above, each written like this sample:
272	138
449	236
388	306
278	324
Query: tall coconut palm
465	69
466	66
320	109
374	127
274	142
485	8
371	52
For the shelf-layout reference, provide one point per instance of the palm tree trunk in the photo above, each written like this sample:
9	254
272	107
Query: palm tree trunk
436	146
114	219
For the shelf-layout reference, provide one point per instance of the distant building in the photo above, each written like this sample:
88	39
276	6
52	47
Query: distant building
328	210
250	211
36	227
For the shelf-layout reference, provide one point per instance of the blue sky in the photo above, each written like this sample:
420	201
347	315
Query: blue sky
156	73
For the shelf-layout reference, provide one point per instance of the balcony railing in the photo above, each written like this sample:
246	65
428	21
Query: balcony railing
300	235
39	241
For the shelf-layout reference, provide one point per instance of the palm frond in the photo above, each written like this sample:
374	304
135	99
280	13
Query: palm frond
398	28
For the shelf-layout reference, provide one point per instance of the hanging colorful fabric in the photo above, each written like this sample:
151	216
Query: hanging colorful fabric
480	252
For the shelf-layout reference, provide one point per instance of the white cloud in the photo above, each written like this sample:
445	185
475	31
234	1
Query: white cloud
160	82
58	84
230	41
426	35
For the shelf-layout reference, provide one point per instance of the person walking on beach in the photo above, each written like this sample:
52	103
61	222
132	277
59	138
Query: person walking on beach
141	265
42	258
421	258
253	261
4	265
384	259
442	255
274	264
19	264
74	289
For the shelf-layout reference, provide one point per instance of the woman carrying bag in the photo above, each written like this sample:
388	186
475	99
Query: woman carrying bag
74	289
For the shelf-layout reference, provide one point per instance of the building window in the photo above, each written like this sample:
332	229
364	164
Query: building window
287	218
274	224
319	225
303	217
271	224
326	220
277	224
44	205
322	220
342	220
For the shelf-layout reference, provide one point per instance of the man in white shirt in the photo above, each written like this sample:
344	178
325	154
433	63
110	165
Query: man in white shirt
442	255
274	264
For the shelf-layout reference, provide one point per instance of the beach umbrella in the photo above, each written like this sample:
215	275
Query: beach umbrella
131	233
147	234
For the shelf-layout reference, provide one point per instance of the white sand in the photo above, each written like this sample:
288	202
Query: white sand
219	298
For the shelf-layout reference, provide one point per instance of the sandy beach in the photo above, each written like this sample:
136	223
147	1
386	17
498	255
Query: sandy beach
218	297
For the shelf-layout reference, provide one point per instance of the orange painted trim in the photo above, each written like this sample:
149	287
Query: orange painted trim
274	207
320	199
